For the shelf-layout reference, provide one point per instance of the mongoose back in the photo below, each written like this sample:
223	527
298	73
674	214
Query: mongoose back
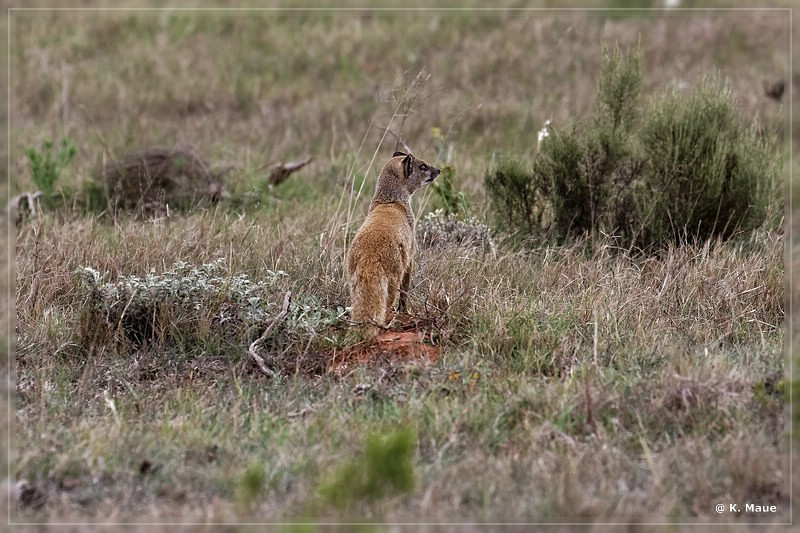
380	258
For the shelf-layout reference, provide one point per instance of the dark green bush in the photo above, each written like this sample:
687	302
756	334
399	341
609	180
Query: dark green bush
689	168
565	184
513	190
707	173
618	92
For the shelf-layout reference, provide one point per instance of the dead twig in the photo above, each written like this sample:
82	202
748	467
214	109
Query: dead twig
281	171
287	298
22	204
301	412
396	136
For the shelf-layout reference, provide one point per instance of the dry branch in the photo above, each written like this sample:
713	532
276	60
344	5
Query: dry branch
399	139
26	202
281	171
287	298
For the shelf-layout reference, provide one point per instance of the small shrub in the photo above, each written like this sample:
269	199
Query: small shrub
568	187
452	201
385	469
452	223
564	185
251	484
46	166
183	302
707	173
514	190
150	181
618	91
440	228
310	315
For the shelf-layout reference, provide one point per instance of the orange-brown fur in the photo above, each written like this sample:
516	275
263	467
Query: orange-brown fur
380	258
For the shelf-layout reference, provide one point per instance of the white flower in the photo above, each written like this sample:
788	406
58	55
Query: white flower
544	132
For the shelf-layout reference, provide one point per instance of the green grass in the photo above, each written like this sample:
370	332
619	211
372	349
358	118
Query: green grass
575	383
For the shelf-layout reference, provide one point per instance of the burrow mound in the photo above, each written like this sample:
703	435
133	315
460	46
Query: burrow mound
155	179
407	339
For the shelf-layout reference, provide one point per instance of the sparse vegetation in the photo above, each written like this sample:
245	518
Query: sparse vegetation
578	381
452	201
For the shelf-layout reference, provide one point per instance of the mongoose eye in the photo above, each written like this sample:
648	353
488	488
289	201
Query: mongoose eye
423	167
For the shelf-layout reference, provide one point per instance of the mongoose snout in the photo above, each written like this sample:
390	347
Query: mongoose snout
379	261
434	174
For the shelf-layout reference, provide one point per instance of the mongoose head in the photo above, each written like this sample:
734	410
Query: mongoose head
402	175
416	172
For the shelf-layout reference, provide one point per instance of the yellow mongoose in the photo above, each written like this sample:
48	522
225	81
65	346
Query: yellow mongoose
379	260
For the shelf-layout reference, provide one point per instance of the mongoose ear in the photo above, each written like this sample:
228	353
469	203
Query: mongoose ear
408	163
398	153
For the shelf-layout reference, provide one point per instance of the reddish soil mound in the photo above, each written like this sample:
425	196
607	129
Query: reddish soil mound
408	340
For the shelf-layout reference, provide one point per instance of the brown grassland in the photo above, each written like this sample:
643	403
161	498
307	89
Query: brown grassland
574	383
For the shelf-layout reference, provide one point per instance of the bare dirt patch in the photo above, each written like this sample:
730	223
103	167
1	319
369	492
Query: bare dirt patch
409	339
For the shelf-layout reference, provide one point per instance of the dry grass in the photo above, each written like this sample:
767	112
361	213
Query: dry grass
591	361
572	384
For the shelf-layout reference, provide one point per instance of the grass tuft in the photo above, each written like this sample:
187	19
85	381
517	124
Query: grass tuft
385	469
